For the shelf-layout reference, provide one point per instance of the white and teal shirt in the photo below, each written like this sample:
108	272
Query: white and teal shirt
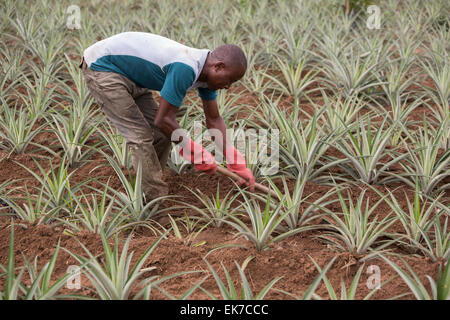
152	62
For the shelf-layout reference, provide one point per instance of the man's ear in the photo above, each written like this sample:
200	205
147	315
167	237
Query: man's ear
219	66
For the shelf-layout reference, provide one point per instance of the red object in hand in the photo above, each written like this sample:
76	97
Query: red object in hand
237	164
201	158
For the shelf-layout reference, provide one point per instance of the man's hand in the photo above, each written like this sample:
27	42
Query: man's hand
202	159
237	164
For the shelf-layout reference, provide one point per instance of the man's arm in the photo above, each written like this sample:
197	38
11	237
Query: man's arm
215	121
235	160
166	119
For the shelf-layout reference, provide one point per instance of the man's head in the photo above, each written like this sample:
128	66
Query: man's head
225	65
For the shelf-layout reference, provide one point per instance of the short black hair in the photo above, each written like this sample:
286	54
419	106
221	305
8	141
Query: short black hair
231	55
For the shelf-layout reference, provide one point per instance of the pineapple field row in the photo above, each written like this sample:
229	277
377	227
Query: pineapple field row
351	110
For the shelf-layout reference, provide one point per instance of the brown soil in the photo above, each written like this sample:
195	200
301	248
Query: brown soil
289	259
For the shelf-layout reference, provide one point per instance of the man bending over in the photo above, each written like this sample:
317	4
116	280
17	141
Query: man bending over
121	72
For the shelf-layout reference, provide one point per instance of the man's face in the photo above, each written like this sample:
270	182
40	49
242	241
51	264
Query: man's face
221	77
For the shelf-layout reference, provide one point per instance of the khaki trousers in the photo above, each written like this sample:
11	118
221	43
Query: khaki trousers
132	110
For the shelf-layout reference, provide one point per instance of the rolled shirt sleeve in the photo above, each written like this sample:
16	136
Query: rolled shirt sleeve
207	94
